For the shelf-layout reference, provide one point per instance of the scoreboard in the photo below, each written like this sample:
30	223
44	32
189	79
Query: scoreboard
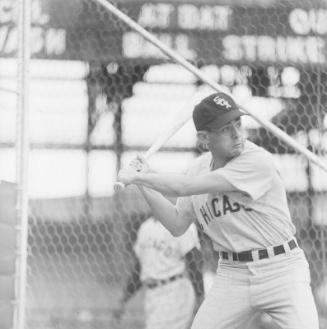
213	33
226	34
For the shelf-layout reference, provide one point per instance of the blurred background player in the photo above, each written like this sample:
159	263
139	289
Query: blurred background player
170	269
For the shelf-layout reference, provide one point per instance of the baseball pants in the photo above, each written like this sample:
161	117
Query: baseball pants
170	305
278	286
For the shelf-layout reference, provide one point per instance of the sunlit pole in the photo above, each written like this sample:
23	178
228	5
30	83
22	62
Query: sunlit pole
22	148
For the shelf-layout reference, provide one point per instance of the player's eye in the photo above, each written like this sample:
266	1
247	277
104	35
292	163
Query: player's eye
225	129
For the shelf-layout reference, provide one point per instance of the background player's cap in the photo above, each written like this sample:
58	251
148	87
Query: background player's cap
215	111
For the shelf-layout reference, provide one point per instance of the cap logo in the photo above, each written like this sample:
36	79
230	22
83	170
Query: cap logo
222	102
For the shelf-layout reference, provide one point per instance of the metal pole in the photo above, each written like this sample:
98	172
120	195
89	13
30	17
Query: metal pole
22	148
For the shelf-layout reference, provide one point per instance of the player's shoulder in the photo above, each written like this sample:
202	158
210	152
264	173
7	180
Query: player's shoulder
255	152
253	157
201	163
147	225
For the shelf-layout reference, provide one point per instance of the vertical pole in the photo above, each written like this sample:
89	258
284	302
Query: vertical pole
117	124
22	148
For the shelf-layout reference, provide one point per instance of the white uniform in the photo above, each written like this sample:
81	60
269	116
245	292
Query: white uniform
170	304
255	217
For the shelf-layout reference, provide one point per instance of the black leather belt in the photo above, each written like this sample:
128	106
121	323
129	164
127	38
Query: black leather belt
153	283
248	256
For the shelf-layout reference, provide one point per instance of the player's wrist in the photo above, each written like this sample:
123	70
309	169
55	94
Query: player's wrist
140	178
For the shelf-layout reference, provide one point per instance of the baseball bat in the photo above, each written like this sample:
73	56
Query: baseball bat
165	135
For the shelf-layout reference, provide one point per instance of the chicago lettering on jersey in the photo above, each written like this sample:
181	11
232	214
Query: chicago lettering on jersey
220	207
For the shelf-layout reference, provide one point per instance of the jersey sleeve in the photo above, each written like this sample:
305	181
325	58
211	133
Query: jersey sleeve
185	208
189	240
251	173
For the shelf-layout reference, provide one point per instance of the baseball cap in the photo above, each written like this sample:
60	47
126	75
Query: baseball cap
215	111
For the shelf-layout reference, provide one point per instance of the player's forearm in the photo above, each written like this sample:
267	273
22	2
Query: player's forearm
177	185
167	184
164	211
183	185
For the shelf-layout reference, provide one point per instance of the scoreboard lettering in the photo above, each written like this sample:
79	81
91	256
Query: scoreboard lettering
216	34
304	21
156	15
267	49
135	46
185	16
210	18
45	40
225	34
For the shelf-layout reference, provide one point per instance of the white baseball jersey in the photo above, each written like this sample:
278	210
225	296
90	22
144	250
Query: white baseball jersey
160	253
255	216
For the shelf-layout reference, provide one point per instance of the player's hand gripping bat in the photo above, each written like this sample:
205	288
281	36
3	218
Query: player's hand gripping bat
183	117
159	142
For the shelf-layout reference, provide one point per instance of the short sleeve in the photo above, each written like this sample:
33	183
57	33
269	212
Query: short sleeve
185	208
189	240
251	173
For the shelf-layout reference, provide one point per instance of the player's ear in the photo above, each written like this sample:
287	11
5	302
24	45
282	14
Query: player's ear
202	140
203	136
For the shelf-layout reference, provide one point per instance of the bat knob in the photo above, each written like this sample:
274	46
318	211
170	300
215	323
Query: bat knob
118	186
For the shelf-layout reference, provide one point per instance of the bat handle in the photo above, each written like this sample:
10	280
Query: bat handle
118	186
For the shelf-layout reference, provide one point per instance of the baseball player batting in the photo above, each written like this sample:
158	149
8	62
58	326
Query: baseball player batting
161	267
236	194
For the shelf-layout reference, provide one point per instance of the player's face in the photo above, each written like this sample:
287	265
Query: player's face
227	141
